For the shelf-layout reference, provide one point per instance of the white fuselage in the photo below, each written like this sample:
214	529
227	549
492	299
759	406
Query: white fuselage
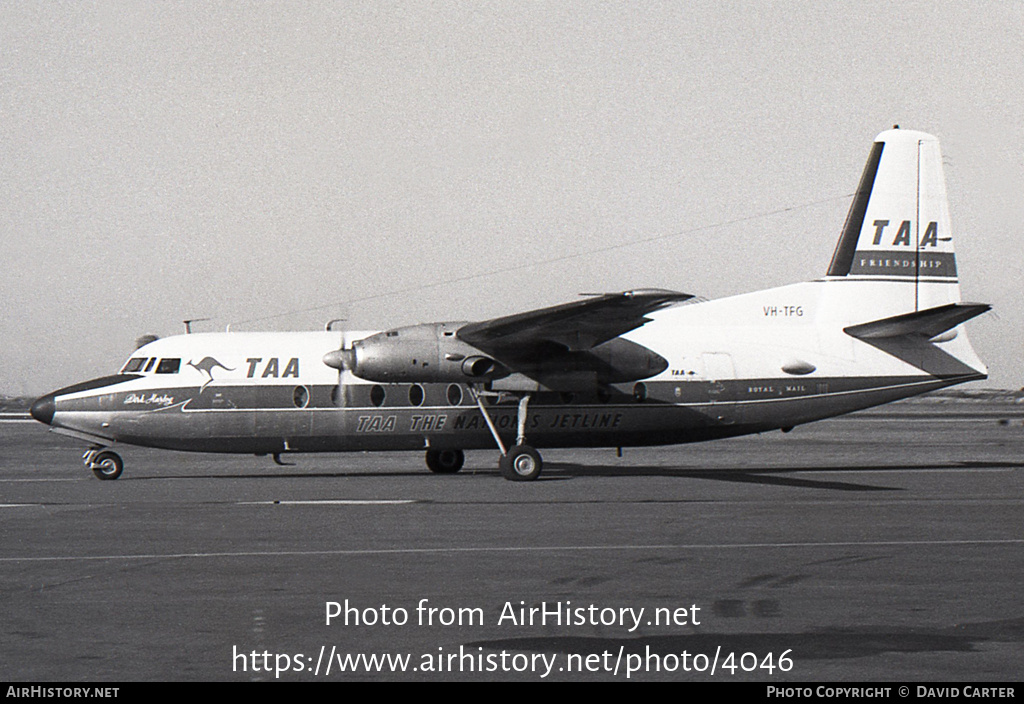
749	363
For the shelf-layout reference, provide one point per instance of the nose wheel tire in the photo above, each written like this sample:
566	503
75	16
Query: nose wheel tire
107	465
445	461
521	464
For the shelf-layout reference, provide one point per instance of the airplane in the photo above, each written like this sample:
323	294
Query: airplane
640	367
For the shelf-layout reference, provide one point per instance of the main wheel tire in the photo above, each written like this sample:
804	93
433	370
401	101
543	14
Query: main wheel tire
521	464
445	461
107	465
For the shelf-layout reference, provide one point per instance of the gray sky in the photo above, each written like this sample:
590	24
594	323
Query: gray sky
308	161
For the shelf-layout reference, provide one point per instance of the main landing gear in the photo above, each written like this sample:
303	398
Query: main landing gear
103	463
521	463
445	461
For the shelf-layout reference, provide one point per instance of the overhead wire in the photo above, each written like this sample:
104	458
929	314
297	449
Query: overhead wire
539	262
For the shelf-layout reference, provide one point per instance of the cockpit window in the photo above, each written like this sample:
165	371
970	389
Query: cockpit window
168	366
149	367
134	365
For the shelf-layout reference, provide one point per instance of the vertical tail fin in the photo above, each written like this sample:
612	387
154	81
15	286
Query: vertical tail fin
893	281
898	229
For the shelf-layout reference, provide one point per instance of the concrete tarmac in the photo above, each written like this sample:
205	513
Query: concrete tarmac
882	547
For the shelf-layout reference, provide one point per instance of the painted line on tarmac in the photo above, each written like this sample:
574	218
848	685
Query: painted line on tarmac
881	470
62	479
1015	414
332	502
520	549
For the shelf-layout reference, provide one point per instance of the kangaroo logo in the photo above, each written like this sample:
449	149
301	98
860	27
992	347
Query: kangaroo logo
206	366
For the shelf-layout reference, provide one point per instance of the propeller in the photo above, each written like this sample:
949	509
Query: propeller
342	359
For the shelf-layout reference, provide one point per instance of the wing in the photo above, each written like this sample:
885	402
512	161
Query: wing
570	327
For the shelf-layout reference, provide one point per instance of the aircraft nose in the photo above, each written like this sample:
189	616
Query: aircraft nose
42	410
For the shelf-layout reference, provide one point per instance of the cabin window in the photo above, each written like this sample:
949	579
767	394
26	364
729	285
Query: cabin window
377	395
168	366
300	396
134	364
416	395
454	394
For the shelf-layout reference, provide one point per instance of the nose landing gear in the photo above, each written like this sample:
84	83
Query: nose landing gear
104	464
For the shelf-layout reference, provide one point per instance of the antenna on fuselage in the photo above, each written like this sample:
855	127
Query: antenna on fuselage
327	327
188	324
144	340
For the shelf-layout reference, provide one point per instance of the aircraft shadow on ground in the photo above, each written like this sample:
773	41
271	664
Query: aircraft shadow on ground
772	477
295	474
559	473
564	471
823	644
777	476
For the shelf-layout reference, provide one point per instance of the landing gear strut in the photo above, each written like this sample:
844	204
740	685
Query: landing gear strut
103	463
522	463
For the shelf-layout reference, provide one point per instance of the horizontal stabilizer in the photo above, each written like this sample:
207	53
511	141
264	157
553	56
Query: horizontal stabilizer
926	323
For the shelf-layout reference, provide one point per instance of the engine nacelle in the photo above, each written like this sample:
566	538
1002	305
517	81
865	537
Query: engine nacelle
419	354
